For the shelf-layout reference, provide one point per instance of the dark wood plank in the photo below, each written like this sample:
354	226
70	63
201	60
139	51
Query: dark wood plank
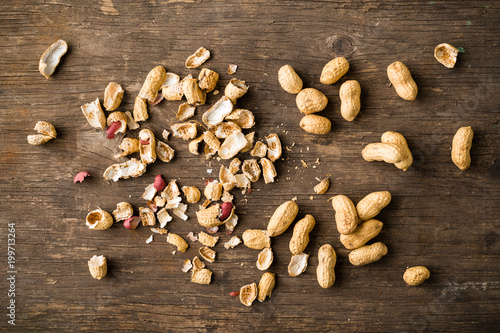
439	217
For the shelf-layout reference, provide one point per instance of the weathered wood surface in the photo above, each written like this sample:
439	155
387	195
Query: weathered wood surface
439	217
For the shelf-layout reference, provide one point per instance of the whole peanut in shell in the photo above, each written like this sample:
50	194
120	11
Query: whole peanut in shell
367	254
460	149
372	204
401	79
334	70
416	275
346	216
350	93
300	237
311	100
314	124
289	80
282	217
362	235
325	272
399	139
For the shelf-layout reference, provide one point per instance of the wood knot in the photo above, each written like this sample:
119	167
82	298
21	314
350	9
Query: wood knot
340	45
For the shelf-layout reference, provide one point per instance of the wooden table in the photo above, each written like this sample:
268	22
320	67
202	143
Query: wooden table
439	217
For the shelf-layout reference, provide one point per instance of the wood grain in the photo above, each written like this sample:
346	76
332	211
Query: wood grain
439	217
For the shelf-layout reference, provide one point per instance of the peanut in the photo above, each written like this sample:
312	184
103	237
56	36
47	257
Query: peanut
363	233
322	186
416	275
346	216
300	237
282	217
289	80
266	286
350	93
178	241
460	149
325	272
446	54
367	254
256	239
334	70
311	100
372	204
153	83
387	152
401	79
314	124
399	139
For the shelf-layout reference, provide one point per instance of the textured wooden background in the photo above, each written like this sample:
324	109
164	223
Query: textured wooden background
440	217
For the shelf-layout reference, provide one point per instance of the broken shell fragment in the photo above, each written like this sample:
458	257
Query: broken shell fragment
184	131
232	145
164	152
233	242
231	223
94	114
251	169
171	192
298	264
51	58
446	54
186	265
225	129
266	286
213	190
212	144
149	192
123	211
185	111
208	79
322	187
140	109
207	253
178	241
216	114
193	146
256	239
231	69
242	117
173	92
265	259
198	58
163	217
226	178
147	146
197	264
209	217
234	166
242	181
38	139
147	216
128	146
192	194
46	128
235	89
259	150
131	124
131	168
98	267
119	117
191	89
248	294
201	276
113	95
207	240
153	83
268	170
273	147
99	219
249	137
171	79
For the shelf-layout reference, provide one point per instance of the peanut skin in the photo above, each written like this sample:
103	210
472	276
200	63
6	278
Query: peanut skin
372	204
350	93
367	254
325	272
460	149
365	231
346	216
401	79
300	237
416	275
